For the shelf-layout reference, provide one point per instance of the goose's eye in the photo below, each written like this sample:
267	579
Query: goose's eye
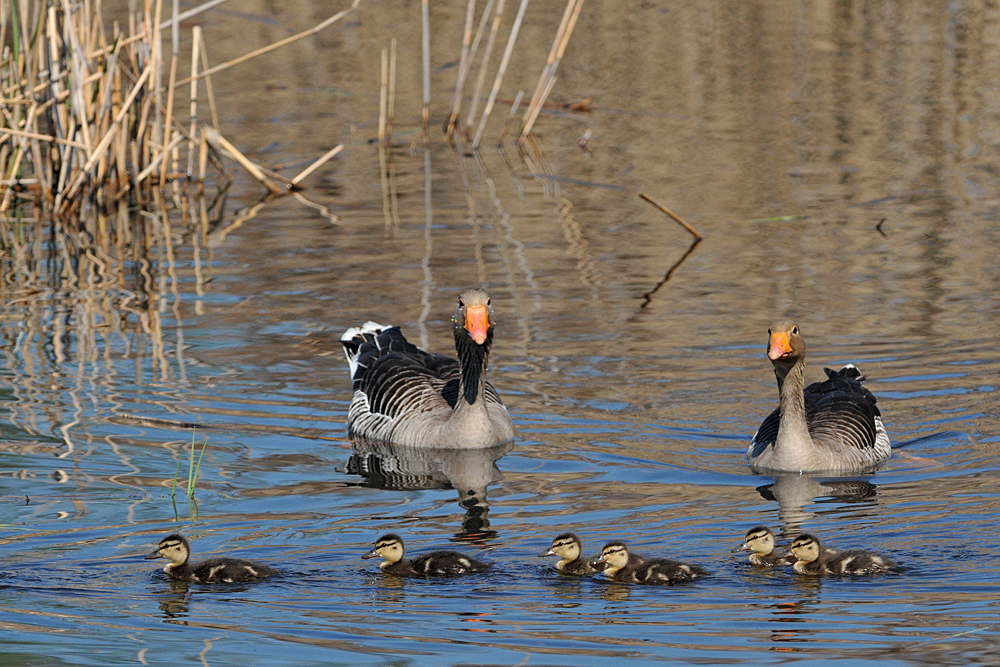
489	302
461	304
768	332
795	331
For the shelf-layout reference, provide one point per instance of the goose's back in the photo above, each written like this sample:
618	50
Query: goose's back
843	419
404	394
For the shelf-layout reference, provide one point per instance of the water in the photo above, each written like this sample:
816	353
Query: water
784	132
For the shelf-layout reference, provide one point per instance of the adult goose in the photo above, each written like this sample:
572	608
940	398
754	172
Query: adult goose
406	396
829	426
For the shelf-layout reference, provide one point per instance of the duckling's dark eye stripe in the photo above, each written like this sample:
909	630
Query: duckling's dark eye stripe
564	543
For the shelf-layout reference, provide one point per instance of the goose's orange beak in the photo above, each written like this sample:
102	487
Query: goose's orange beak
778	346
477	323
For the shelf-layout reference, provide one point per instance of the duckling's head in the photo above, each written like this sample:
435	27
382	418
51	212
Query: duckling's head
473	316
758	539
174	548
785	345
389	547
566	546
806	548
614	556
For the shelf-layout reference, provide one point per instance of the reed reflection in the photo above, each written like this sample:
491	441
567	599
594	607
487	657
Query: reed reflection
468	471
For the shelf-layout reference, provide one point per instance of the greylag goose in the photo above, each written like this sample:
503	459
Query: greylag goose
813	559
620	565
436	563
759	541
830	426
571	560
406	396
176	549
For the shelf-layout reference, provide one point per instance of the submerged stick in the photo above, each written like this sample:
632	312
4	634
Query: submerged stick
647	298
671	214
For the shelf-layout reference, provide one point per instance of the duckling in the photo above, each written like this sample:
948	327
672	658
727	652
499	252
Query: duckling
814	559
620	565
176	549
437	563
759	541
571	561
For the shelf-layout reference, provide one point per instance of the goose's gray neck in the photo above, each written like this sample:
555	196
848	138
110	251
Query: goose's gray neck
793	431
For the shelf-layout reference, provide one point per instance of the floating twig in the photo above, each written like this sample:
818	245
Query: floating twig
672	215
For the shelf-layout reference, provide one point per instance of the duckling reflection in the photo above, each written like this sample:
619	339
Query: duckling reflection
793	492
468	471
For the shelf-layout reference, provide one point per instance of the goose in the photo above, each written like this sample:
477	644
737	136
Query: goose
813	559
177	550
831	426
436	563
570	551
620	565
406	396
759	541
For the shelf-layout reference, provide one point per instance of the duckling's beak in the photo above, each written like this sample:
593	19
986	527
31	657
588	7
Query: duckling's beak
742	547
549	552
155	554
600	560
477	323
371	554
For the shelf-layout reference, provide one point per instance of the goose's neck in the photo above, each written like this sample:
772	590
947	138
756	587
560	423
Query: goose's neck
472	358
792	428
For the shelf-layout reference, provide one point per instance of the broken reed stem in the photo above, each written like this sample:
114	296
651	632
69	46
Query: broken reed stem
392	91
425	65
511	40
193	109
484	64
383	97
676	218
547	80
276	45
216	139
456	104
317	164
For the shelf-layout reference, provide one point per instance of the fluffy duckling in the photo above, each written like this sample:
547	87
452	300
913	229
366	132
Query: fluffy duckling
620	565
436	563
571	561
176	549
759	541
814	559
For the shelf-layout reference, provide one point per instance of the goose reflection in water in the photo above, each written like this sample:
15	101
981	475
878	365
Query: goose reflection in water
793	492
403	468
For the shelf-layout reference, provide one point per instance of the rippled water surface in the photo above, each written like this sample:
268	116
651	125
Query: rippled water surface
841	160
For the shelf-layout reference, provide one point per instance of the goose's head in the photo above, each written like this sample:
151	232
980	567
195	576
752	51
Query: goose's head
566	546
174	548
785	345
759	540
474	316
614	556
389	547
806	548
